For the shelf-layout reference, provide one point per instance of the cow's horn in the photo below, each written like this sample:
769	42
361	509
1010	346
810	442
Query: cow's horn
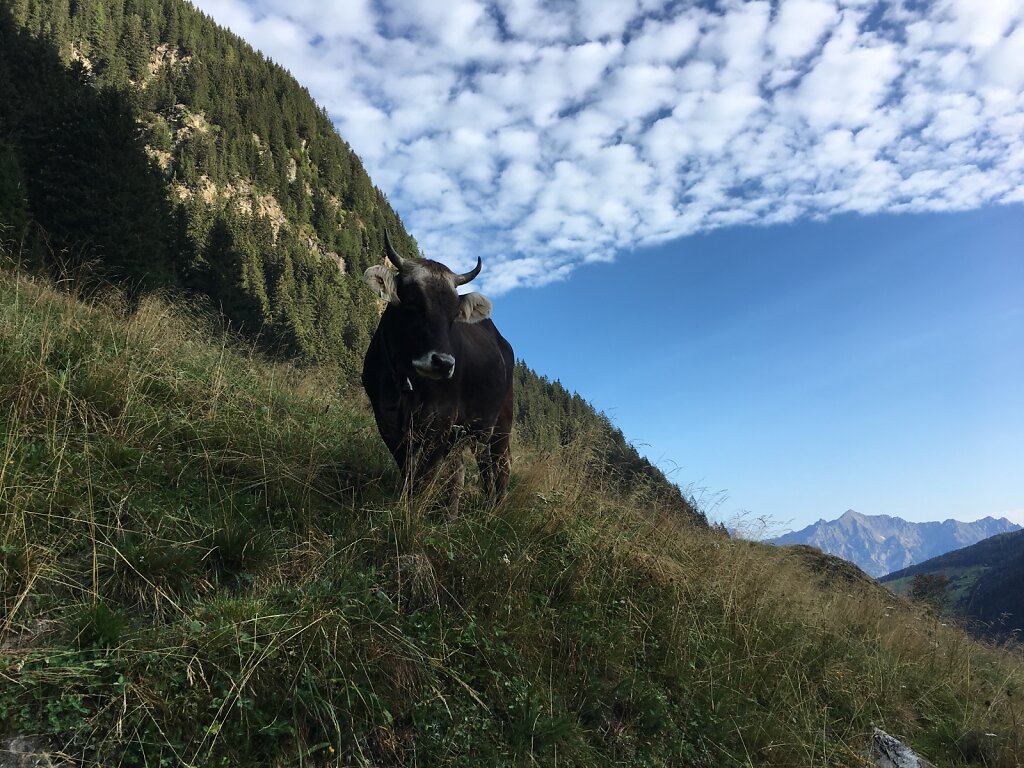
393	255
465	277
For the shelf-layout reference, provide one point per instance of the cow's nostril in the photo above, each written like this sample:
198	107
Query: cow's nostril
435	365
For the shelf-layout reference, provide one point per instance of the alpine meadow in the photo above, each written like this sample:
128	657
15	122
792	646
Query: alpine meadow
206	557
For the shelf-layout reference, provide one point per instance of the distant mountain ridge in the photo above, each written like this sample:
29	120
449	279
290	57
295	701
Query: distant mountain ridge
881	544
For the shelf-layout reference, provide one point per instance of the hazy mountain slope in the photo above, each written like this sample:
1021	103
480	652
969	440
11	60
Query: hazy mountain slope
880	544
986	583
204	561
140	142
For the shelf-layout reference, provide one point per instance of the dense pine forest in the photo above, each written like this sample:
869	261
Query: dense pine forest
140	143
166	152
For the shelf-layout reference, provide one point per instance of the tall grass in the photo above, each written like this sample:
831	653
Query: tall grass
205	560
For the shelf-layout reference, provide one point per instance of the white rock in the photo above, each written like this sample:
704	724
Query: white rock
889	752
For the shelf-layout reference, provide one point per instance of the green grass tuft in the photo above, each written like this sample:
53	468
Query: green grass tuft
95	625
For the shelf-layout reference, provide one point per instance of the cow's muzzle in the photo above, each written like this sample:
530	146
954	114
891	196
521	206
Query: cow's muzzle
435	365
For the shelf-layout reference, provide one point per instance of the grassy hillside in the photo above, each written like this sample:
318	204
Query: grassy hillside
204	563
984	584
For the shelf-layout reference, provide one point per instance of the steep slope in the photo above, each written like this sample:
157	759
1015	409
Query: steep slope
203	561
984	587
879	543
142	143
123	118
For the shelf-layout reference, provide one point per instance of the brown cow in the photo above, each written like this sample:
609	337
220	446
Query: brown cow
437	370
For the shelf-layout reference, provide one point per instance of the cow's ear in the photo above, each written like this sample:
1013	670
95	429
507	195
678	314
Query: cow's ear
382	282
473	307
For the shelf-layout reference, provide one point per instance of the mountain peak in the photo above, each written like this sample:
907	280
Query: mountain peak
880	544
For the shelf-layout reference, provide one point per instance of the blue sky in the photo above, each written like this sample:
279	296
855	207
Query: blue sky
872	362
777	241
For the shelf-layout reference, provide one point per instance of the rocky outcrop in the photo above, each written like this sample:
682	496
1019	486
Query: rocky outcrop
28	752
167	55
889	752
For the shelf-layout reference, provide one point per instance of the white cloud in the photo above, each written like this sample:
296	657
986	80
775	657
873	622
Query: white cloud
599	18
637	90
736	42
1003	64
545	135
799	27
848	83
353	19
980	25
531	20
662	42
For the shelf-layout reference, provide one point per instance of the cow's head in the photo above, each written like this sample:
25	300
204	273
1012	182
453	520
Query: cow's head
424	297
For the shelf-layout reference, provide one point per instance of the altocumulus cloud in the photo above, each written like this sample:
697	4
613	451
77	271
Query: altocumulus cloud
543	135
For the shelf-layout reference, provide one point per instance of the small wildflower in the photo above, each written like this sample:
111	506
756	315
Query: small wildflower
505	560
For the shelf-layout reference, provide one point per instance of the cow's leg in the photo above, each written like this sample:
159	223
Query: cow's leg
398	445
450	476
495	456
425	462
494	459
